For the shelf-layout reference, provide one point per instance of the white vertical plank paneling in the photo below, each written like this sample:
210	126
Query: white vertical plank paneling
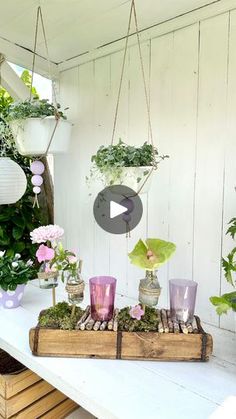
83	202
210	162
228	321
101	134
161	113
65	188
183	145
118	243
193	192
138	134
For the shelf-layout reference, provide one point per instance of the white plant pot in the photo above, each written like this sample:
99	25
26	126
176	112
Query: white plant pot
135	178
33	135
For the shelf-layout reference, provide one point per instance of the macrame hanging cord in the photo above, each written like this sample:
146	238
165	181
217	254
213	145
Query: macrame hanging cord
150	137
39	18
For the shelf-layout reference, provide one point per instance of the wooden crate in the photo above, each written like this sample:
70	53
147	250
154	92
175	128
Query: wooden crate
25	396
121	345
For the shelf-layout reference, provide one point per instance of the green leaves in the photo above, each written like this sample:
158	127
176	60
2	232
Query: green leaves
151	254
32	109
224	303
123	155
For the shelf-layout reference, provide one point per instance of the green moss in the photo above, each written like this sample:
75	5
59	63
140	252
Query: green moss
59	317
148	323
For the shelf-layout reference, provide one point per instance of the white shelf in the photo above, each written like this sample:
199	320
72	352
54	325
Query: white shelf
124	389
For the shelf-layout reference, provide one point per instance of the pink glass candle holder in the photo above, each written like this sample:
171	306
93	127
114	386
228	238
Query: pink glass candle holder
102	296
182	299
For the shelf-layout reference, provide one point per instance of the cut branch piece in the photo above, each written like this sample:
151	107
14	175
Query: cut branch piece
83	318
194	325
170	323
90	324
183	328
189	327
115	323
160	327
176	326
103	325
83	325
97	325
164	320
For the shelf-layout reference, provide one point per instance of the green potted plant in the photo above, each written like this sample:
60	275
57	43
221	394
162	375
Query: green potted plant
123	164
14	275
150	255
38	126
227	301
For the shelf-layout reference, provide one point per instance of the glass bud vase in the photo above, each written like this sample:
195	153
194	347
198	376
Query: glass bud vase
149	289
75	288
47	279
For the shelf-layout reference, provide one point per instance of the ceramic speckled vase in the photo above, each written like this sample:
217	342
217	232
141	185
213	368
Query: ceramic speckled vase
12	299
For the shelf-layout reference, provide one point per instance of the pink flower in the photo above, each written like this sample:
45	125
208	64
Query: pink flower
44	253
72	259
136	312
46	233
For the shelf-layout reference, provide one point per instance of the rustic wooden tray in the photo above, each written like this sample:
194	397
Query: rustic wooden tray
122	345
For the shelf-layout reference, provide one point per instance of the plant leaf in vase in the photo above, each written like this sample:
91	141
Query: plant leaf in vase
151	254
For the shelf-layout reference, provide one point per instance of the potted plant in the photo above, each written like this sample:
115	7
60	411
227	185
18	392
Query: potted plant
54	259
14	275
227	302
150	255
47	237
39	127
122	164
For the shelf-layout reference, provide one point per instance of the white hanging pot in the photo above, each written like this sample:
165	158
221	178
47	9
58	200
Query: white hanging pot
32	135
137	178
13	181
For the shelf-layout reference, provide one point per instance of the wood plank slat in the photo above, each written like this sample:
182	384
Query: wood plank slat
12	384
18	402
43	406
61	410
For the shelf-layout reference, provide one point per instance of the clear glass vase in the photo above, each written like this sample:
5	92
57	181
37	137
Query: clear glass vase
75	288
149	289
46	278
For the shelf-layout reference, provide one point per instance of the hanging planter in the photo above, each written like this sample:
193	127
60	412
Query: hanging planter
39	128
13	181
121	164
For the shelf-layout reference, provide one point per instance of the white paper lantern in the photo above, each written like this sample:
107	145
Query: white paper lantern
13	181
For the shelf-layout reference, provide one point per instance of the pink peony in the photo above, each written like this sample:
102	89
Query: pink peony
44	253
46	233
136	312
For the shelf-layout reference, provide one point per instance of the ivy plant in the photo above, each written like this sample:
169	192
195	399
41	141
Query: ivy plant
35	108
109	161
227	302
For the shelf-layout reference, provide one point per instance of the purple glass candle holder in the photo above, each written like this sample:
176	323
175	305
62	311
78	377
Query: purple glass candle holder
102	296
182	299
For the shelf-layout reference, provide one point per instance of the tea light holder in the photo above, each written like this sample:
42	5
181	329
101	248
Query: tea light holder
102	297
182	299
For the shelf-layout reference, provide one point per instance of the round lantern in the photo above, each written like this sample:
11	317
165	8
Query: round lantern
13	181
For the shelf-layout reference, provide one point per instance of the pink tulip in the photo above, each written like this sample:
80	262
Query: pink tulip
44	253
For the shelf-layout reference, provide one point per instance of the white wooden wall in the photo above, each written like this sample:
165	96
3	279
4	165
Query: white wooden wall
192	84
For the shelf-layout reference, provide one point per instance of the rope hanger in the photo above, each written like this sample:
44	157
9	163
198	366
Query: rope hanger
133	13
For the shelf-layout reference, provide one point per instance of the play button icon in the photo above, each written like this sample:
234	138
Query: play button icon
117	209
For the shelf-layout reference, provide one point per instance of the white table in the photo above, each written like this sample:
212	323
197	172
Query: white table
126	389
